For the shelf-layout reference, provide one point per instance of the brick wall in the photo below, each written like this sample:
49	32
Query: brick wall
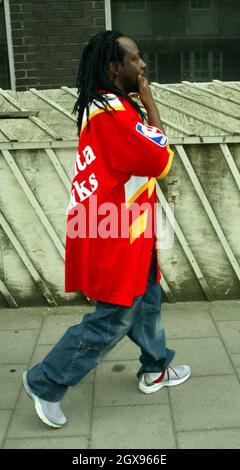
48	38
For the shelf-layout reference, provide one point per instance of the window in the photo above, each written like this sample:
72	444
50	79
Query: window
132	18
202	18
4	67
201	66
136	6
151	59
201	5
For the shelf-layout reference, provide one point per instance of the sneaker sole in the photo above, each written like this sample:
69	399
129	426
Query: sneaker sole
37	406
147	389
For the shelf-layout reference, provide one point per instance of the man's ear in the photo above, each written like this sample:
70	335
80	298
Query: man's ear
113	68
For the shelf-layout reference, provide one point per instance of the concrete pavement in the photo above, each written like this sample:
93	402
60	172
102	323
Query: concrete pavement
106	410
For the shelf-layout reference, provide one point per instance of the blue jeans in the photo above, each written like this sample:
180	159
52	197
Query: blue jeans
85	345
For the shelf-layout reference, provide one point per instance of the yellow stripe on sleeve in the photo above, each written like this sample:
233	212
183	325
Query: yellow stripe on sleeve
168	166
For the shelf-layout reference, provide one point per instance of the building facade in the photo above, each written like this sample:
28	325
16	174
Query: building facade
194	40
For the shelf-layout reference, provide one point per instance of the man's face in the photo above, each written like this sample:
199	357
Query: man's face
131	67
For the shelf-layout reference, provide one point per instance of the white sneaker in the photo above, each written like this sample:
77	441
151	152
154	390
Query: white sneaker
152	382
49	412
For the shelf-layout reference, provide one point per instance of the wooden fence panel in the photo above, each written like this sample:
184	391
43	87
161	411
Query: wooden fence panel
34	194
38	147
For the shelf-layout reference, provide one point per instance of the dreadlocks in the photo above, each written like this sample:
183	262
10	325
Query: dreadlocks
93	76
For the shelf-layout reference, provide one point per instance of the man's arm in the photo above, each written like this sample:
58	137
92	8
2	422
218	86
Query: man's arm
147	100
132	147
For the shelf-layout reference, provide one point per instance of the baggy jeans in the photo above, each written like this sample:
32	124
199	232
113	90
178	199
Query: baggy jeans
85	345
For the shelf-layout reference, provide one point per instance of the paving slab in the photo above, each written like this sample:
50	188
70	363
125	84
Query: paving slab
214	439
225	310
77	406
40	352
46	310
238	371
188	323
5	416
55	326
80	442
14	319
206	403
206	356
17	345
199	306
230	332
235	357
124	350
70	309
132	427
11	383
116	384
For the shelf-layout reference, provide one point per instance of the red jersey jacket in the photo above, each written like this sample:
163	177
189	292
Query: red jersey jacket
110	227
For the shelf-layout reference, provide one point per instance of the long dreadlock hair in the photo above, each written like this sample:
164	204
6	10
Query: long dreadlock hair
102	49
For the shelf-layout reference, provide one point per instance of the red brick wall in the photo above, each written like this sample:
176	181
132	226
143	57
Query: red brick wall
48	38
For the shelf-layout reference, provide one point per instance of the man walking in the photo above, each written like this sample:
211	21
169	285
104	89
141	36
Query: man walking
110	242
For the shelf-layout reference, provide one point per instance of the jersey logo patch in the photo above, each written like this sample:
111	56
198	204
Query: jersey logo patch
152	133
